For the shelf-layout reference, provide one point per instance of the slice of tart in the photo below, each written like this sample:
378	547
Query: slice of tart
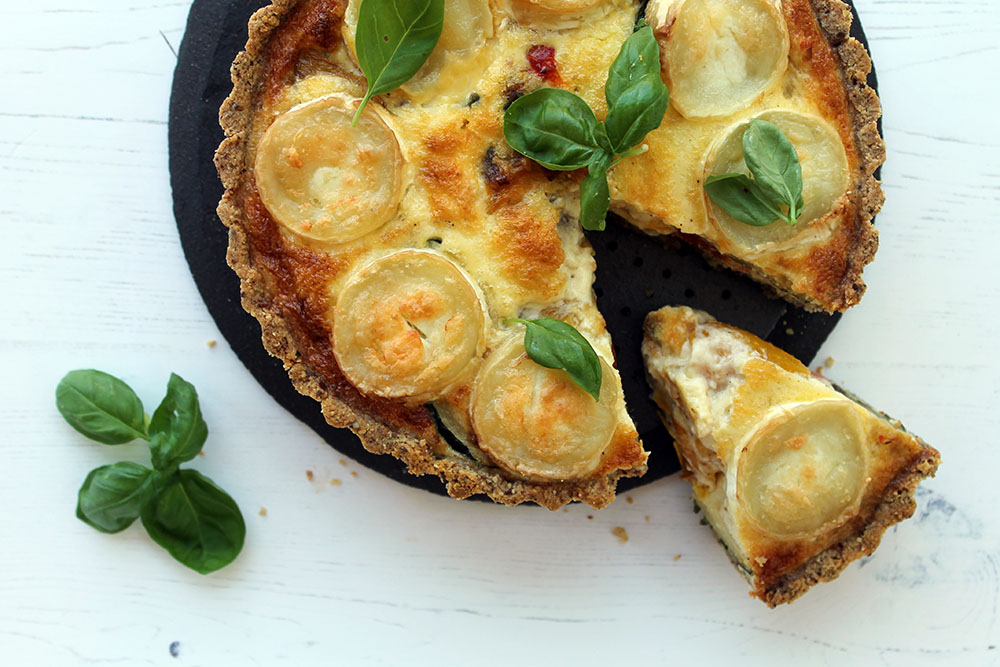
796	478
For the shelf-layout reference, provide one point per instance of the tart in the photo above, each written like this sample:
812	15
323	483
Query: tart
796	478
383	258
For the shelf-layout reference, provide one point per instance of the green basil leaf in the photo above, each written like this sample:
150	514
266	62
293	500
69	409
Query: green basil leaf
638	58
554	344
101	407
740	197
177	430
636	112
196	522
393	40
553	127
603	141
112	497
595	196
636	95
774	164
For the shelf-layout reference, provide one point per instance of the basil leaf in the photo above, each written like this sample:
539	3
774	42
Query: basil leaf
112	497
637	112
637	97
196	522
601	136
638	58
393	40
553	127
740	197
177	430
595	196
101	407
774	164
554	344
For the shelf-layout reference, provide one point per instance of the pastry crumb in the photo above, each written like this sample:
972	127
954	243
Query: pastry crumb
677	558
335	482
790	331
342	462
565	510
828	362
629	500
262	511
211	343
647	517
590	516
201	453
309	475
354	474
620	533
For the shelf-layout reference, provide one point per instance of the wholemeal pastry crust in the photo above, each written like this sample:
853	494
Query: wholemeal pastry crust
411	434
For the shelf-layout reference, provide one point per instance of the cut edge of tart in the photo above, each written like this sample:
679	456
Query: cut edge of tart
796	478
408	432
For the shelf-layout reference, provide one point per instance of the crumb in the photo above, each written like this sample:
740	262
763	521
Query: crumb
211	343
620	533
201	453
677	558
828	363
354	474
590	516
790	331
263	511
647	517
335	482
629	500
565	510
175	649
342	462
309	475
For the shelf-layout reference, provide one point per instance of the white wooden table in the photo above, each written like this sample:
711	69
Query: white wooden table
371	571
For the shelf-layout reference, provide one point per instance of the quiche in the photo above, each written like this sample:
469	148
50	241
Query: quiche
796	478
385	258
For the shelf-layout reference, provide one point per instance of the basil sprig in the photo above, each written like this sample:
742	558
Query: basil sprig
393	40
773	191
198	523
554	344
558	130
